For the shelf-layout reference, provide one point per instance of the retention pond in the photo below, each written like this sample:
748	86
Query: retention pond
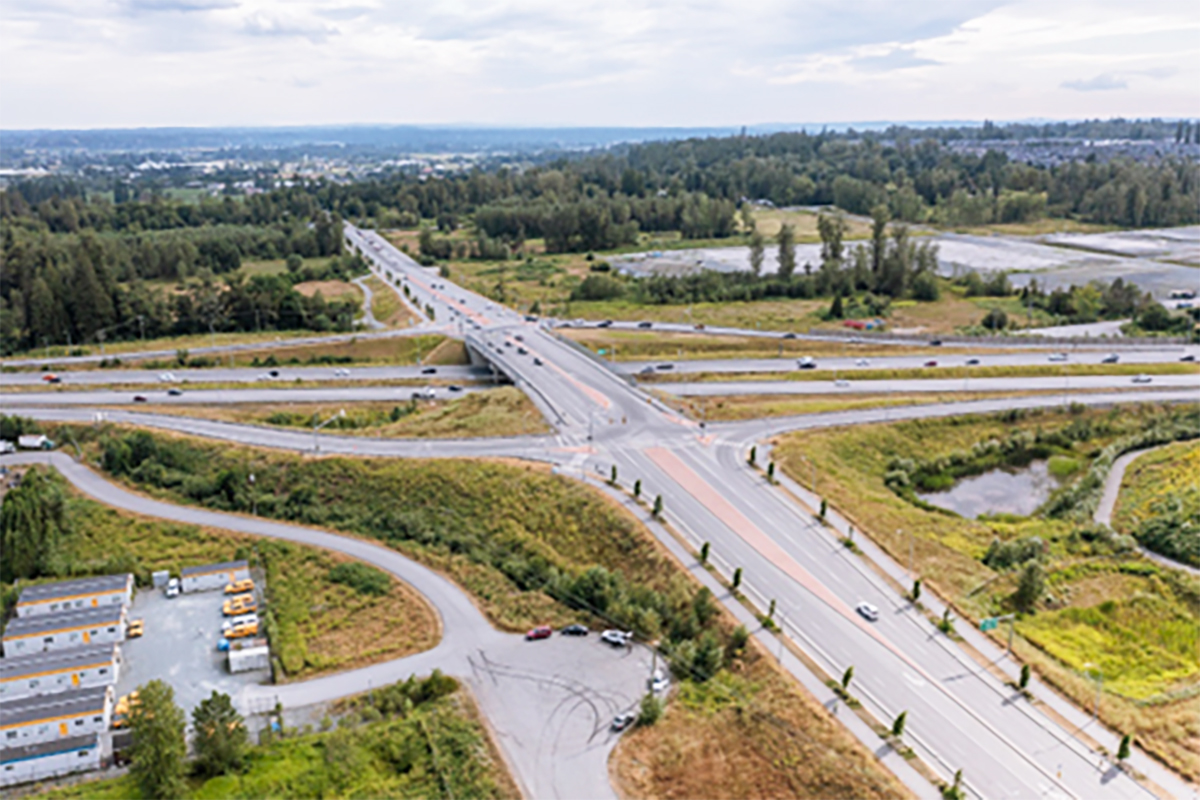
1000	491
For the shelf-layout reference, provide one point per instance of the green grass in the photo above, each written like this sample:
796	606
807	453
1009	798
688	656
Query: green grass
387	306
1171	473
322	626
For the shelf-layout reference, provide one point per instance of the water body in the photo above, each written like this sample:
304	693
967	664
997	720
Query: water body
1001	491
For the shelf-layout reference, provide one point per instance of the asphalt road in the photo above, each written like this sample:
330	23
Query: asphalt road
914	386
351	394
550	703
179	377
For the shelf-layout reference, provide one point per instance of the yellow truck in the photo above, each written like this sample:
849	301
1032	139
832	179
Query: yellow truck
240	604
239	587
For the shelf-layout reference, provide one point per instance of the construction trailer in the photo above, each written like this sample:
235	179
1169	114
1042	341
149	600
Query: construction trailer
54	598
48	717
59	671
37	762
210	577
46	632
249	654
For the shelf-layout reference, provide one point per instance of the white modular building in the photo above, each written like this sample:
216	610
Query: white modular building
249	654
213	576
36	762
48	717
59	671
75	595
44	632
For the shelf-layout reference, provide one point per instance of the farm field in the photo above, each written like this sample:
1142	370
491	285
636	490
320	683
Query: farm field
1101	602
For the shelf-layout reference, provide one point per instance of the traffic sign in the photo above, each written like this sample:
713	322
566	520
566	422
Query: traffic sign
988	624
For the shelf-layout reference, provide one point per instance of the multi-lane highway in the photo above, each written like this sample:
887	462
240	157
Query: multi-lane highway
959	716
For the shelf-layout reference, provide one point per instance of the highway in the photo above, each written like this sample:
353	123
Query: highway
916	385
958	715
179	377
332	394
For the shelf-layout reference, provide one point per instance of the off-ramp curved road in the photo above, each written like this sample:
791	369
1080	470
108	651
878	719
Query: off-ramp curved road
549	703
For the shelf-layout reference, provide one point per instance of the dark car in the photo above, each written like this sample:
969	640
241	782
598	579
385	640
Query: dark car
666	366
454	387
429	371
931	363
521	351
540	632
645	324
1189	358
174	392
972	362
537	362
519	337
935	343
606	324
1111	358
274	373
574	630
137	398
789	335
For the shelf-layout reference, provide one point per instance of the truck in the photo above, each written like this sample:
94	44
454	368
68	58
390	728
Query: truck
34	441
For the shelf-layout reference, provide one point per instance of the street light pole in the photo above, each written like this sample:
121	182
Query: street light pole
253	496
316	442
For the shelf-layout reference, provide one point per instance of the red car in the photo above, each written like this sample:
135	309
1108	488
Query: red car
931	363
51	378
540	632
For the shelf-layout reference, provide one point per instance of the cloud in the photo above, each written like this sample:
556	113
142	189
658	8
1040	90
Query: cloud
1100	83
179	5
893	60
260	24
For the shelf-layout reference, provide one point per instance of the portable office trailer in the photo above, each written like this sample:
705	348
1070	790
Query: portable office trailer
213	576
249	654
45	632
46	717
59	671
54	598
36	762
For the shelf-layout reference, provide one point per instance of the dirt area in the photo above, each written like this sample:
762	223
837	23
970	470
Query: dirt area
330	290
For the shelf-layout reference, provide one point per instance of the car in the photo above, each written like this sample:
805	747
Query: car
521	351
239	587
1058	356
1190	357
50	377
540	632
931	363
972	362
575	630
537	362
273	373
807	362
167	377
1111	358
606	324
507	343
454	387
429	371
665	367
659	682
1142	378
935	342
699	326
867	611
242	629
229	623
120	714
241	604
862	362
173	392
135	628
172	588
789	335
841	382
519	337
616	638
137	398
645	324
646	370
622	721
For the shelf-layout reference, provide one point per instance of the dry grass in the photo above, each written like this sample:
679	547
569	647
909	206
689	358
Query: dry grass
750	734
399	351
331	290
654	345
1036	228
770	220
757	406
387	306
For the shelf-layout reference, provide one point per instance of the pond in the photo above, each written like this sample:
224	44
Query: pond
1001	491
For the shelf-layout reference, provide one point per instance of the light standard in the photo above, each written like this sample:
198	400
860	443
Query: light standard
1099	679
253	496
316	443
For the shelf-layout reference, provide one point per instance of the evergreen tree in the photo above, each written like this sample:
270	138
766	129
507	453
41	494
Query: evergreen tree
787	252
33	527
218	736
756	252
159	747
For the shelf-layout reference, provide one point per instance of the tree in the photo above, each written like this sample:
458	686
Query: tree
995	320
925	287
824	508
637	488
1030	586
771	471
1023	682
916	590
219	736
294	263
658	505
756	252
832	228
753	454
879	221
898	724
159	747
847	676
1124	748
835	308
787	251
612	479
650	711
737	577
33	527
704	553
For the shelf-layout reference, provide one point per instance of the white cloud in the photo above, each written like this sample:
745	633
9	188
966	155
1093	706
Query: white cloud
90	63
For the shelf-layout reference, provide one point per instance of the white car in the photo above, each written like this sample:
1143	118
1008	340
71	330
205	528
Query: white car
867	611
659	683
228	624
172	588
167	377
1142	378
1058	356
862	362
616	638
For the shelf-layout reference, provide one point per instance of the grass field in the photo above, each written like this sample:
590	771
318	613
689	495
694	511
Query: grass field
387	306
923	373
322	626
439	749
756	406
1171	474
516	538
331	290
1036	228
506	411
1103	604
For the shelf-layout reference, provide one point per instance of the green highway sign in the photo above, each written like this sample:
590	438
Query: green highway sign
988	624
601	351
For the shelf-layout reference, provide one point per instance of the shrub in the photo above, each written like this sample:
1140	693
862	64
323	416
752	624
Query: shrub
361	578
651	710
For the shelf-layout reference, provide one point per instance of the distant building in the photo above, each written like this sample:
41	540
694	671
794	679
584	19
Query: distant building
59	671
44	632
213	576
52	598
47	717
36	762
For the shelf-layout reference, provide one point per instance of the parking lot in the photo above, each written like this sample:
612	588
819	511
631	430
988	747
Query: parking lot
180	647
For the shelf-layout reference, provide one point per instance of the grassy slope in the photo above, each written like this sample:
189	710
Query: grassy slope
568	526
1148	638
387	306
1169	472
391	758
323	626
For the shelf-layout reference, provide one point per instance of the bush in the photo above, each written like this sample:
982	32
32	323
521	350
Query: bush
362	578
598	287
651	710
995	320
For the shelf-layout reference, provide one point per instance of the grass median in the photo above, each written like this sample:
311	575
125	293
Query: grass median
387	306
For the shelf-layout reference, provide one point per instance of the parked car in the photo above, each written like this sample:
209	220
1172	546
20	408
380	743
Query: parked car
931	363
135	628
807	362
1143	378
172	588
659	682
622	721
645	324
242	629
574	630
241	604
229	623
1111	358
239	587
540	632
616	638
867	611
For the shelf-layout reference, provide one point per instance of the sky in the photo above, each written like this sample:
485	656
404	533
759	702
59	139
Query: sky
141	63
